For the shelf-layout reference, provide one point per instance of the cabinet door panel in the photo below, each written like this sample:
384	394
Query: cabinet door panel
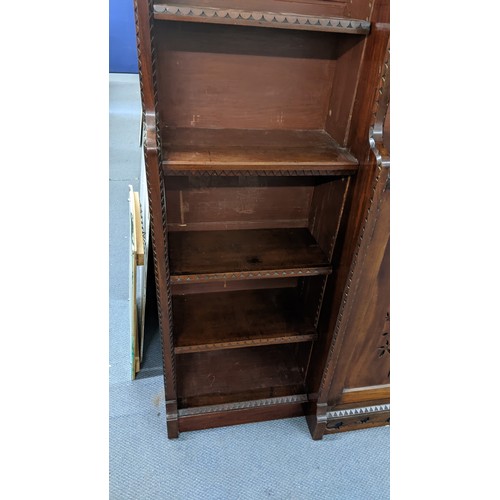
363	364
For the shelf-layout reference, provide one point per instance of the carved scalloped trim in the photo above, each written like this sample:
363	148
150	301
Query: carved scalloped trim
243	405
282	20
249	275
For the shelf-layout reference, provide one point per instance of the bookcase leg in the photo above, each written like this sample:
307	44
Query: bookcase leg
172	419
317	421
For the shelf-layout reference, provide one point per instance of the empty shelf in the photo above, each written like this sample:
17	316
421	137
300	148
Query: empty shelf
233	151
227	320
201	256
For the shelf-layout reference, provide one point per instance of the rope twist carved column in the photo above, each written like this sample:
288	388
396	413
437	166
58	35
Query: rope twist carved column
157	201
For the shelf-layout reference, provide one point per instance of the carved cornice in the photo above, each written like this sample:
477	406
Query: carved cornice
249	275
243	405
262	19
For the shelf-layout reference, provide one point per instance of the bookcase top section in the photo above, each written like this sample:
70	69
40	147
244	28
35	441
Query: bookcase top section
265	19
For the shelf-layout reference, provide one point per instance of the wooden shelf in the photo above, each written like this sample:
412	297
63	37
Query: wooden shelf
264	19
192	151
227	320
218	377
203	256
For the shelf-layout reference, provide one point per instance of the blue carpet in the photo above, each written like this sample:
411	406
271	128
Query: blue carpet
276	460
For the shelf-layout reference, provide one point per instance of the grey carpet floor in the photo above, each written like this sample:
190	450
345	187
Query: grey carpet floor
276	460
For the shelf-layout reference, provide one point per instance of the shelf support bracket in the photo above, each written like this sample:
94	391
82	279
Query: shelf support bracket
376	133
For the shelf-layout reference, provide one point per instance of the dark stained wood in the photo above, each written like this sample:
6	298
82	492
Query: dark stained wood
189	149
237	77
219	377
239	319
265	19
264	251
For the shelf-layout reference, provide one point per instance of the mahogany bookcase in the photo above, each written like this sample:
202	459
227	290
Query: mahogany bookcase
267	172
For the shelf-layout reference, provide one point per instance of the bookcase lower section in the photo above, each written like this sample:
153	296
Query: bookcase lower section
240	376
235	386
205	417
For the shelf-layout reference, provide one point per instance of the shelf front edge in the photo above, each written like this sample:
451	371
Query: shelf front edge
260	19
242	275
253	170
283	339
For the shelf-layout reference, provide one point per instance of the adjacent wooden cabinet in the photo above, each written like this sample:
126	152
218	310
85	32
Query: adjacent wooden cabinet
268	185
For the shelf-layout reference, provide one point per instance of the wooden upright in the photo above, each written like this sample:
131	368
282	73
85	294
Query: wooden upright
266	152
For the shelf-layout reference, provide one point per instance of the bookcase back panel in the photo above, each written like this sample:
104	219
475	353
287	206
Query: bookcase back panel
212	76
238	208
220	377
